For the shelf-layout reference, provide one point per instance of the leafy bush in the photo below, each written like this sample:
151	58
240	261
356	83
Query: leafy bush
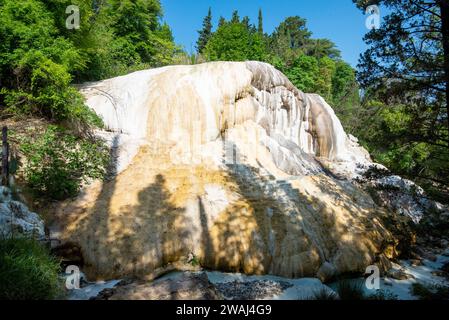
35	65
58	162
27	271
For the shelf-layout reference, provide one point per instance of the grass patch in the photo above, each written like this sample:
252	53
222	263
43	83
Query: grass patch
350	290
27	271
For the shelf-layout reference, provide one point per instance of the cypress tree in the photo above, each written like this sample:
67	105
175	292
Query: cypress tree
205	33
245	22
235	17
260	24
221	22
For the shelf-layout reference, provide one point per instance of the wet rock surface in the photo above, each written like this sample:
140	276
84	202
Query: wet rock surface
252	290
188	286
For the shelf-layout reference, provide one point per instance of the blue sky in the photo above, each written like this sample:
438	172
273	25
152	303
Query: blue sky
338	20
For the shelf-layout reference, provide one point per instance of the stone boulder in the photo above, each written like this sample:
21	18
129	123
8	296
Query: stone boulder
187	286
16	220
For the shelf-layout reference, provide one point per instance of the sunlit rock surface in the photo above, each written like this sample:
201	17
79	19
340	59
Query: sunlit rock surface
16	220
228	162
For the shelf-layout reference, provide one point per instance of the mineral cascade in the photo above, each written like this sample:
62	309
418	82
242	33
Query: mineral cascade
231	165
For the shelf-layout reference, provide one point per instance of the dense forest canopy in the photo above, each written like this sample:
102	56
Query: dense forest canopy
40	57
396	102
405	77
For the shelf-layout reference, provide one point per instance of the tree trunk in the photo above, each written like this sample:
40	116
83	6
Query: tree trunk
444	6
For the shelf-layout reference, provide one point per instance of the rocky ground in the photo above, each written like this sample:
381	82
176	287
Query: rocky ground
188	286
252	290
427	269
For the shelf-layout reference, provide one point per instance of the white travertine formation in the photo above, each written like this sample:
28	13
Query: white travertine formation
224	160
209	100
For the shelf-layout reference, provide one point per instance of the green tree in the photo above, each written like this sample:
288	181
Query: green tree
205	33
260	23
35	65
410	51
221	21
92	39
312	75
235	17
289	39
322	48
234	42
137	33
345	95
246	22
406	70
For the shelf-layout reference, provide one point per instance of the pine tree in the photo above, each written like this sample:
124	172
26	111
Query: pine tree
221	22
406	69
412	49
205	33
260	24
235	17
246	23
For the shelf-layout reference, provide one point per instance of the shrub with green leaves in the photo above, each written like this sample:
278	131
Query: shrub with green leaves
36	65
57	163
27	271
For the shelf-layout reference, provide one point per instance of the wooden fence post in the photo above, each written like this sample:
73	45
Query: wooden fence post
5	157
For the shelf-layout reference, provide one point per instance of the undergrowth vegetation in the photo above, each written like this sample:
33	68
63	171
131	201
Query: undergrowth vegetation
57	162
28	271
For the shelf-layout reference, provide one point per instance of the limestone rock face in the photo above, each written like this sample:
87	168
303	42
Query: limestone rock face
16	220
227	161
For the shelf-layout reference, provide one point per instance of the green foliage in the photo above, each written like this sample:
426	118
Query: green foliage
334	80
35	65
289	38
27	271
345	95
139	39
205	33
40	57
235	42
405	73
194	261
390	134
58	162
260	22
